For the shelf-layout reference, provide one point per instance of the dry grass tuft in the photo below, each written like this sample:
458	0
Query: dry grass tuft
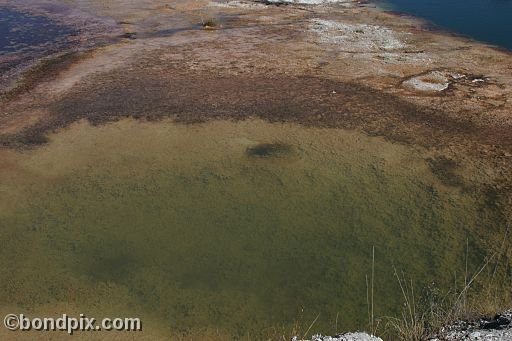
209	24
483	293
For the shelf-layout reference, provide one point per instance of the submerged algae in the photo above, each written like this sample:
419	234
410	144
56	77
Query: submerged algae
178	225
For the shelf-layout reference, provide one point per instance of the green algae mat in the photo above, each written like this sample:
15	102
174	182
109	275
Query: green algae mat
245	228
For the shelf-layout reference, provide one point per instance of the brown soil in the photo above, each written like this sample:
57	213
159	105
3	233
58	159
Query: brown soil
190	97
44	71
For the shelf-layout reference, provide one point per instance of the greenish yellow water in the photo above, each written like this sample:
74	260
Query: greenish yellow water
194	227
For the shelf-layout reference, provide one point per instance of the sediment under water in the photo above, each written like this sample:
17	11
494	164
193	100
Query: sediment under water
25	32
240	227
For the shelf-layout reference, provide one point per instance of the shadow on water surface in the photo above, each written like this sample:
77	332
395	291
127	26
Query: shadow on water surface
269	150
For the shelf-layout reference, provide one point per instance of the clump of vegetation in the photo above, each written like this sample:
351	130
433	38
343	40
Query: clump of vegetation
483	293
209	24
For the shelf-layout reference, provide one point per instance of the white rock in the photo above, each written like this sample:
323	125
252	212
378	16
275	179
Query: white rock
475	335
434	81
344	337
237	4
311	2
357	37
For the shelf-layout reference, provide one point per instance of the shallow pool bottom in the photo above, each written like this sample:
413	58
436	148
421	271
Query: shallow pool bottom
212	227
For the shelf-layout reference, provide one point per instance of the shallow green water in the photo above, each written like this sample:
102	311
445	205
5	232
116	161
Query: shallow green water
188	227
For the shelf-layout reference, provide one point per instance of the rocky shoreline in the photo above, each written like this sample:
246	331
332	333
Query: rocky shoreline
498	328
359	336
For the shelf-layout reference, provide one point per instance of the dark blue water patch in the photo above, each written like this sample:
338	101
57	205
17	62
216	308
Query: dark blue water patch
24	32
485	20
